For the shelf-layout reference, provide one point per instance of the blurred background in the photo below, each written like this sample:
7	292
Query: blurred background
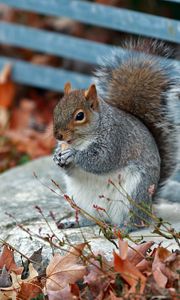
25	110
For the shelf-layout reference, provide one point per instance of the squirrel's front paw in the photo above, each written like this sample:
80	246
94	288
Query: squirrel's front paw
64	158
57	156
67	156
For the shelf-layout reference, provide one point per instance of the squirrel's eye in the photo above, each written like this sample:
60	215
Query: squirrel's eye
79	116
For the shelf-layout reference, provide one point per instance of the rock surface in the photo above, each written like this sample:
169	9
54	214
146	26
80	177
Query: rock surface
21	191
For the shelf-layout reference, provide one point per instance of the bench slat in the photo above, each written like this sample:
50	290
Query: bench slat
48	77
44	77
105	16
175	1
53	43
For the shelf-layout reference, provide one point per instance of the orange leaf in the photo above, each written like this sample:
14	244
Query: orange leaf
7	93
129	272
7	87
7	260
29	290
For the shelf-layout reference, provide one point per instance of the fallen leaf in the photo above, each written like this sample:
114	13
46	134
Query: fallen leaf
98	268
7	260
7	87
33	274
64	294
4	117
5	74
9	295
113	297
64	270
123	248
22	116
11	292
32	269
129	273
22	289
29	290
44	59
5	278
173	261
100	276
158	266
29	141
137	253
144	266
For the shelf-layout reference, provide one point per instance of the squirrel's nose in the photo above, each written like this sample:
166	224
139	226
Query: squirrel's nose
60	137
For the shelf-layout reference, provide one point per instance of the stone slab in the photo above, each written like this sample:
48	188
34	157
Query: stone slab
20	191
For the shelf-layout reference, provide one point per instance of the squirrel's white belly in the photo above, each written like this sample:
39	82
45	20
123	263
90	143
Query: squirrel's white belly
89	190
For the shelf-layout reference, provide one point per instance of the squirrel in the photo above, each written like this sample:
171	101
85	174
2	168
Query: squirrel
120	133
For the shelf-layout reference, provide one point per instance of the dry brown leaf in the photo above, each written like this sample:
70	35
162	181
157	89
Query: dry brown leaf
4	117
24	137
7	260
6	295
158	266
64	294
173	261
11	292
99	277
44	59
137	252
7	94
33	274
5	278
64	270
22	289
7	87
29	141
144	266
96	270
113	297
129	273
22	116
5	74
123	248
29	290
161	272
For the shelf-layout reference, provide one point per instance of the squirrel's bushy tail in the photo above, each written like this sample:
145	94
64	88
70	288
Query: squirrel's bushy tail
147	87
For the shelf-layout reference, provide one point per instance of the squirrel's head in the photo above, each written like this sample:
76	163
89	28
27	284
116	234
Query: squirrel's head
75	114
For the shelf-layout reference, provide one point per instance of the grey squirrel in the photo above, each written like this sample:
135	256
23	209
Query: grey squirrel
121	128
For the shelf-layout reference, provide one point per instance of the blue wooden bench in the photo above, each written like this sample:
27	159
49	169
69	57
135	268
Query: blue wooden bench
70	47
75	48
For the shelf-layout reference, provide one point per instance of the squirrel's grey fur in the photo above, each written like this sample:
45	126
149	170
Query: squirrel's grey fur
162	80
119	144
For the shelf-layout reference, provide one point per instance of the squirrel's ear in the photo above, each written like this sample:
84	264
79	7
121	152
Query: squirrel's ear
67	88
91	95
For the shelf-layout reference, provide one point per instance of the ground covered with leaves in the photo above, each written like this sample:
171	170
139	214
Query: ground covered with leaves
142	271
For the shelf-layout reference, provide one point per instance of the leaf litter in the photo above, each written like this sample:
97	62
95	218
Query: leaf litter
134	272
